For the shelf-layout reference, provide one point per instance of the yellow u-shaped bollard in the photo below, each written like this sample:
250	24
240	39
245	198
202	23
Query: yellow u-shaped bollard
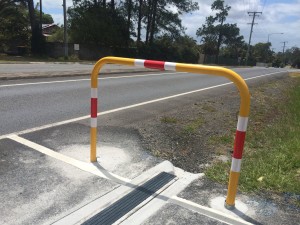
191	68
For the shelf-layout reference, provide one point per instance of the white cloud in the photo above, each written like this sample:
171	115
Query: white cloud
283	17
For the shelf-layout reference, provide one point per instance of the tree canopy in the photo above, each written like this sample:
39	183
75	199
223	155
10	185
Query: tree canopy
14	25
20	24
116	25
215	32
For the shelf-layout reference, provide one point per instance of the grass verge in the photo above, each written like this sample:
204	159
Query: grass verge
167	119
271	160
193	126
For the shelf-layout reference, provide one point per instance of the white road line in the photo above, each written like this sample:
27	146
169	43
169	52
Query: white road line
100	78
124	108
88	167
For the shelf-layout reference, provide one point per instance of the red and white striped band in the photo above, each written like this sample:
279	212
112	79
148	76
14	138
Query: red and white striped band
152	64
239	144
94	107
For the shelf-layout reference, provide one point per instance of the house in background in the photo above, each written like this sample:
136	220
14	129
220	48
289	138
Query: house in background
49	29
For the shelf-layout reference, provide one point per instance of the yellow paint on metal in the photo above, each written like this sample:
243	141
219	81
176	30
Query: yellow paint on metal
181	67
93	140
106	60
94	84
221	71
232	188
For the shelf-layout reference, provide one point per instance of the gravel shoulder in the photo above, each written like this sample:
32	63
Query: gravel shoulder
195	135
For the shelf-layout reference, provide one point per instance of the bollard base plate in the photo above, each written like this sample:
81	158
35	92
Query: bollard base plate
229	207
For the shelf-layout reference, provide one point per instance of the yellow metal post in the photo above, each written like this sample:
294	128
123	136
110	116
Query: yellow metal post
191	68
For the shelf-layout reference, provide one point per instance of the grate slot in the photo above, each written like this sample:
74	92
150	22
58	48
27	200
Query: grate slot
121	207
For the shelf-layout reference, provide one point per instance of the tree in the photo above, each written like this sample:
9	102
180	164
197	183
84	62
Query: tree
140	16
37	39
261	52
94	24
293	56
14	25
46	18
170	48
234	42
215	32
220	17
159	19
129	11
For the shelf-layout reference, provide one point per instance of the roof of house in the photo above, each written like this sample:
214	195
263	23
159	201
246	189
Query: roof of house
44	26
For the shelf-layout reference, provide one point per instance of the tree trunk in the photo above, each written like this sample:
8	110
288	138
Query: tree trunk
139	22
31	14
129	8
104	4
219	42
36	33
149	19
153	22
112	3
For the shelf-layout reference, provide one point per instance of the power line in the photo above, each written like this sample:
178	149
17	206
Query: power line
253	14
265	1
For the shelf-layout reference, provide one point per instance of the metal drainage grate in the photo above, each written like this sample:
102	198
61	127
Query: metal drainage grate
118	209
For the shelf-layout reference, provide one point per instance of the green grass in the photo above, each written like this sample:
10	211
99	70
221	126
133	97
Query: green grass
271	159
208	108
167	119
221	139
193	126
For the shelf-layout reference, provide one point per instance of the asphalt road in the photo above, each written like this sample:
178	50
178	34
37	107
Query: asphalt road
25	104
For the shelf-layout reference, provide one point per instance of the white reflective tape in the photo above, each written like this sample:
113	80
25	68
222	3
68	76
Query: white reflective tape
170	66
139	62
94	92
242	123
236	165
93	122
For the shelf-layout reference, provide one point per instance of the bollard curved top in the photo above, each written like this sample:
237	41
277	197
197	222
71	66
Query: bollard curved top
108	60
181	67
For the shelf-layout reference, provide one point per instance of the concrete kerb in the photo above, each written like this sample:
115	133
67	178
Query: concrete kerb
16	76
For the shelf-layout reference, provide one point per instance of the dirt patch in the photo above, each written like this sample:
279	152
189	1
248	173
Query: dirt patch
193	137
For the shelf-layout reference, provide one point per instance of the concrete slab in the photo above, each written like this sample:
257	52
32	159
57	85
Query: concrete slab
37	189
119	149
254	209
172	214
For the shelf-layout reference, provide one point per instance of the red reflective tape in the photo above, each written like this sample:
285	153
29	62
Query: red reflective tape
239	144
94	107
154	64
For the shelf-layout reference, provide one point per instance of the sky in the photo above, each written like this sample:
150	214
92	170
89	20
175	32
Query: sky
278	16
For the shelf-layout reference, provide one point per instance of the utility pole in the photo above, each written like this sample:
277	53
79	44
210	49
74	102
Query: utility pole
65	30
283	48
253	14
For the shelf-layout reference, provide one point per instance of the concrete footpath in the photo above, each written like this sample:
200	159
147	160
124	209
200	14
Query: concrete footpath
44	69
